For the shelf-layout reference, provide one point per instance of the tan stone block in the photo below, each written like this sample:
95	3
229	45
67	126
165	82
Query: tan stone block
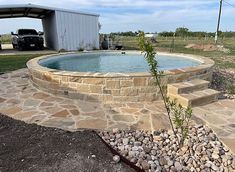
92	124
129	110
105	91
93	98
126	83
96	81
74	79
53	86
113	84
124	118
160	121
43	104
143	123
74	112
107	98
14	101
97	114
129	92
73	84
135	105
68	106
62	114
23	115
140	81
10	111
64	79
38	75
151	81
115	92
148	97
40	95
119	125
56	79
96	89
125	98
83	88
148	89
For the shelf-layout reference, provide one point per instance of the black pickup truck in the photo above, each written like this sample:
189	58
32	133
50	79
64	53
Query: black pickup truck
27	39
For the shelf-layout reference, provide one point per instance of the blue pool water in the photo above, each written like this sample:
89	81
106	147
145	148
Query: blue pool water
106	62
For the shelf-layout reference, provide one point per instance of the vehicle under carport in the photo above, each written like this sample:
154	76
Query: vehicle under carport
63	29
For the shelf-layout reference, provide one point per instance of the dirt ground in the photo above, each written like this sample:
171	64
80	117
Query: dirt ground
29	147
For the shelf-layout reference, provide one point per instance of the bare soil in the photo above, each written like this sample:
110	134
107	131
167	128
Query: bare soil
207	47
29	147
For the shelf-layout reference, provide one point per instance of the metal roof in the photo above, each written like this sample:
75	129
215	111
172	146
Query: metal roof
32	11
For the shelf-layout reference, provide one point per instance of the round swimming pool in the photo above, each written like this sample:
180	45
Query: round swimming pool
112	76
113	62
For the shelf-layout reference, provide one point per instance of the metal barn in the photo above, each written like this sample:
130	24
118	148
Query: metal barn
63	29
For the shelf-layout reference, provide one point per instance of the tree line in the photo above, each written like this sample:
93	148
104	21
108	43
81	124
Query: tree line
179	32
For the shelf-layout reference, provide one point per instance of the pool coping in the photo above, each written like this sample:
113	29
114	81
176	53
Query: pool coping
205	64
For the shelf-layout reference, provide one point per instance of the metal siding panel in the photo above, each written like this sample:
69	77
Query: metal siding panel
80	29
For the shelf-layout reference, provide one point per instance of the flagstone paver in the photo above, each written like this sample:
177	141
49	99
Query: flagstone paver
21	100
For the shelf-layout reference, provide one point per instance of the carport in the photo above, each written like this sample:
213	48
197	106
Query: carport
63	29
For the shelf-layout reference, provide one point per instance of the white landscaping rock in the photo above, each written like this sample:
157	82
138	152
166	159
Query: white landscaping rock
202	150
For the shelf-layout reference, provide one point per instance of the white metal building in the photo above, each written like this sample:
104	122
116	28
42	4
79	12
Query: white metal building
63	29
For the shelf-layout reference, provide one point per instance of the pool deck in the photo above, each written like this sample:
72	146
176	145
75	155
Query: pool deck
20	100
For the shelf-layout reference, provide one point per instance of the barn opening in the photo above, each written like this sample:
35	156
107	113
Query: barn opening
63	29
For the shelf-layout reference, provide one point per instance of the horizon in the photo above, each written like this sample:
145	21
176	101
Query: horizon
147	15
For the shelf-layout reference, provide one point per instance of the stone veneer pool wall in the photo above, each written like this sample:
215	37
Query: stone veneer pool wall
112	87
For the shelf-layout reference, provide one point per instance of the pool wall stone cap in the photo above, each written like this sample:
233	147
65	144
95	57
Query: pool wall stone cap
112	87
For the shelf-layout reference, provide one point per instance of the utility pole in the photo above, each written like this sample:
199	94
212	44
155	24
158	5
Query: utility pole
217	30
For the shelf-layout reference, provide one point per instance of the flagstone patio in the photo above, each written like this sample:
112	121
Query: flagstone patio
19	99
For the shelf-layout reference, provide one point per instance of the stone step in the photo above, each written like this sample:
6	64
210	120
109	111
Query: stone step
196	98
187	87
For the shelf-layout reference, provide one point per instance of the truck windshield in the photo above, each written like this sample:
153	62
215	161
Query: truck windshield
27	32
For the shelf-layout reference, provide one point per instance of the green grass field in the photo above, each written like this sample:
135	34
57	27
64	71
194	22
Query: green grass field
222	59
13	62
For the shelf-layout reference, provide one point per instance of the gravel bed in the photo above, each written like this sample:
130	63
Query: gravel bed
222	80
159	151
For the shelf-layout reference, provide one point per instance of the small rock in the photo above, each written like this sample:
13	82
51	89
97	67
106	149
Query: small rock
170	163
116	158
153	152
162	161
214	167
156	133
178	166
212	136
145	165
131	154
147	149
134	160
215	156
124	152
125	141
115	130
157	138
135	148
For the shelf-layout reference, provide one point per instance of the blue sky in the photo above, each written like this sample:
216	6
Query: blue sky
147	15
